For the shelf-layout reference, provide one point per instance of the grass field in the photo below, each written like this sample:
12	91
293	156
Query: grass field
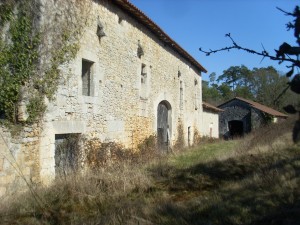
254	180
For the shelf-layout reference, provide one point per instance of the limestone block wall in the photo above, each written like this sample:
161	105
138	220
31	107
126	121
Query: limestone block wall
121	106
125	89
19	160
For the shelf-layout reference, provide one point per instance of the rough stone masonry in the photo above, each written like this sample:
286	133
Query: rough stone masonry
125	70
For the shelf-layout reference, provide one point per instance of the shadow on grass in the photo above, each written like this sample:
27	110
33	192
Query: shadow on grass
250	189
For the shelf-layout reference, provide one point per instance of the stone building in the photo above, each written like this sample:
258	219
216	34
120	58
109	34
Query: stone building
129	81
241	116
210	120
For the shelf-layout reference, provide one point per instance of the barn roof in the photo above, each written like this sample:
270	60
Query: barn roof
156	30
211	107
258	106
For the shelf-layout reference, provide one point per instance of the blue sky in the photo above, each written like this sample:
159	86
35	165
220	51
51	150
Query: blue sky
204	23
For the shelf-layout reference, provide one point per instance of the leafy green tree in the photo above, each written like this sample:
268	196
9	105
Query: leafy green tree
267	85
210	93
233	76
263	85
225	92
212	78
244	92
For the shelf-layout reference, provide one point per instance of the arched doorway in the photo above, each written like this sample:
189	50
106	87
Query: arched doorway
163	125
236	128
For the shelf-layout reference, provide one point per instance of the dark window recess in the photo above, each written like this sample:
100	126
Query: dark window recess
181	96
86	77
197	100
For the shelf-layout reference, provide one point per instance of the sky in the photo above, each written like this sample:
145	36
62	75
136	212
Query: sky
204	23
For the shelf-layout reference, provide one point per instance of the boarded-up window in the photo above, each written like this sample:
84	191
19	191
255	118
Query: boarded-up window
86	77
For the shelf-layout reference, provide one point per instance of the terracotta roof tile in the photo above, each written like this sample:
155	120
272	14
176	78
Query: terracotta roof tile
211	107
155	29
260	107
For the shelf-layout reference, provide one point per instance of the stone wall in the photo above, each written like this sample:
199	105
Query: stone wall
19	159
121	108
251	118
234	110
124	93
210	124
258	119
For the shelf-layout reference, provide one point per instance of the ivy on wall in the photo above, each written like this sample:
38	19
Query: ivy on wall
22	74
18	55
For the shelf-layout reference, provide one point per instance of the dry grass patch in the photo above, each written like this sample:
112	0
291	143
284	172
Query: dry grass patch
254	180
106	196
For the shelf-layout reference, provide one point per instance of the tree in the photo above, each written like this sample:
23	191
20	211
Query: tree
263	85
267	85
285	53
234	76
210	93
212	77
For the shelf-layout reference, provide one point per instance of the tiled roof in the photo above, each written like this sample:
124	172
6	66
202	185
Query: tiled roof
156	30
260	107
211	107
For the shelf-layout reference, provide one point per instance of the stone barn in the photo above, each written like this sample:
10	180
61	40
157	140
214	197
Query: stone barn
129	81
241	116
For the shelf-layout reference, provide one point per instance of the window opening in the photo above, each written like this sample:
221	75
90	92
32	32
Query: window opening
143	81
181	96
86	77
196	94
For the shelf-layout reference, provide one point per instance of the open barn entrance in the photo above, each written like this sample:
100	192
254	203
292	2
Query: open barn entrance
236	128
163	125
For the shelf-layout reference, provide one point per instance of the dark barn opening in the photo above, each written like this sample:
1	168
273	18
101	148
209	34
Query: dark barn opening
236	128
163	125
66	153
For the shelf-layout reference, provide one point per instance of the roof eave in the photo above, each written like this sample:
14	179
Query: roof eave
154	28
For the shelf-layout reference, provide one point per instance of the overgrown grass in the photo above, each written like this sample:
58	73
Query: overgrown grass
202	153
254	180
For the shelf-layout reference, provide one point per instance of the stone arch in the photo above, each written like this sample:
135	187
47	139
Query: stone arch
164	124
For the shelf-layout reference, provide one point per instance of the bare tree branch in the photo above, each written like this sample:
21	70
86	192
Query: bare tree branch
285	12
264	53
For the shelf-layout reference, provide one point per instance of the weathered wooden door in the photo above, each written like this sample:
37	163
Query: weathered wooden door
162	126
66	153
